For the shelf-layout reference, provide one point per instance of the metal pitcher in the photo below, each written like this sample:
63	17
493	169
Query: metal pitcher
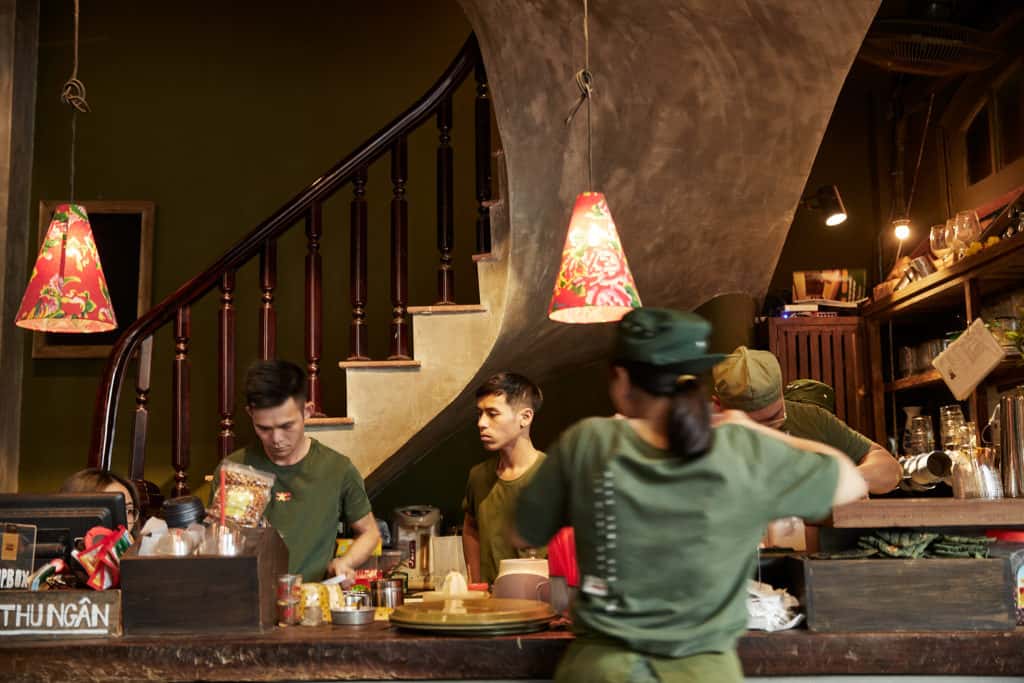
1011	442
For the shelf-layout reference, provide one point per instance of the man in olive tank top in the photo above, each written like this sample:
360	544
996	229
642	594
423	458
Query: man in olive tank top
506	405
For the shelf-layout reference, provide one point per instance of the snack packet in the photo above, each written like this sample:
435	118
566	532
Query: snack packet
247	492
323	596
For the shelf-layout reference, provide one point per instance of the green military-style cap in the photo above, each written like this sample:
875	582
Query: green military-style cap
748	380
662	336
811	391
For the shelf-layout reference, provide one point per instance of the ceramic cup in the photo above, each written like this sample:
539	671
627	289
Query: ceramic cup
520	586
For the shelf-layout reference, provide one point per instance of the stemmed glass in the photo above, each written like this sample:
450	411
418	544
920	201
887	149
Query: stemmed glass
966	229
952	241
938	238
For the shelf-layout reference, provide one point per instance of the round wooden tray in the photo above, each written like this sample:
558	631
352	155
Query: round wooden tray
475	617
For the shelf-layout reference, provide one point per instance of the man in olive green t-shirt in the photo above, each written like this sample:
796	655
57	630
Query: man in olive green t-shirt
751	381
315	487
506	405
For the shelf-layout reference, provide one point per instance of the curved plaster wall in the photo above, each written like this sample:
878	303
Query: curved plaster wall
707	116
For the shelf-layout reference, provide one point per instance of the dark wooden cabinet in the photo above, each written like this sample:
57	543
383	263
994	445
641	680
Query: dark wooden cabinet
833	351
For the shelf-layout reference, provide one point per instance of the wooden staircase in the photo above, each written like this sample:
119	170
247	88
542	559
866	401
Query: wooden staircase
388	400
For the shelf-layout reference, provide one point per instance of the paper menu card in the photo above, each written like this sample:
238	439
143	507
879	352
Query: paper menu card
969	359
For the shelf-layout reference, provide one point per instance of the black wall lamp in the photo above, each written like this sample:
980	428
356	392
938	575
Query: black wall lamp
827	200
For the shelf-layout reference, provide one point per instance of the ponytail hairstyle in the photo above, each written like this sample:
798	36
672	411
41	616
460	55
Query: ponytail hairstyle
689	422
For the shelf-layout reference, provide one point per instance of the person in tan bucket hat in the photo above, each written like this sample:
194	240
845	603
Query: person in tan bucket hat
751	381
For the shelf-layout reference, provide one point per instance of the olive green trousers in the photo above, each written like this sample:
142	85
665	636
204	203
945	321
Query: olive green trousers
602	661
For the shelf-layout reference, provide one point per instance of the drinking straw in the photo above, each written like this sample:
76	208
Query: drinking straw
223	508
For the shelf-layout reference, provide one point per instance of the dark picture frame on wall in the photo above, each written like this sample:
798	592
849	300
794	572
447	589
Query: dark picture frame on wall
123	231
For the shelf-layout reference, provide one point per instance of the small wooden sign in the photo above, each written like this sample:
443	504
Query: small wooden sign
60	614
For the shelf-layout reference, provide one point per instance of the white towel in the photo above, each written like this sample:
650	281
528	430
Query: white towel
771	609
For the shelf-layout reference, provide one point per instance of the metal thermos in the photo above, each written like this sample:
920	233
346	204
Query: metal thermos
1011	442
388	593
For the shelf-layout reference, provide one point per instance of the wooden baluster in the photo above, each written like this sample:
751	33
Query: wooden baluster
268	317
483	161
137	466
226	365
445	200
399	252
358	345
150	498
314	305
180	418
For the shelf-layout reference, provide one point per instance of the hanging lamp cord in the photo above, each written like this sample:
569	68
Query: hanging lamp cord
73	95
584	81
920	155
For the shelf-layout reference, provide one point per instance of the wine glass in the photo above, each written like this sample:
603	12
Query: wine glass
956	248
939	241
967	228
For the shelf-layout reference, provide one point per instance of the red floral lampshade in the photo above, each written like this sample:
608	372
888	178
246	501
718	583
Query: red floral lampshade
594	284
67	291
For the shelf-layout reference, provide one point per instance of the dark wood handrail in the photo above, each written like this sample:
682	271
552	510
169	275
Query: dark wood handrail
250	246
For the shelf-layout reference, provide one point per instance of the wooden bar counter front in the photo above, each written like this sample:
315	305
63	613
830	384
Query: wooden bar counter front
379	652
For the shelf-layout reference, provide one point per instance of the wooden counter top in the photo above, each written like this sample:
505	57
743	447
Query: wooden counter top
380	652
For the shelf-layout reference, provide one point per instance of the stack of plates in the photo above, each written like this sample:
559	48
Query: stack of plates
475	617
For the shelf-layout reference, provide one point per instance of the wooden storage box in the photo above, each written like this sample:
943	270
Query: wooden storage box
907	595
204	593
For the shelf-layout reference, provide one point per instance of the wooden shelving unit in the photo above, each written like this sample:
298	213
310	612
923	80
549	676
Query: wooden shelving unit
1011	369
929	512
959	289
921	379
990	270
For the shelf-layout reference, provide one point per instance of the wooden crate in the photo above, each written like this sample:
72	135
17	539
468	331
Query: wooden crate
59	614
908	595
204	593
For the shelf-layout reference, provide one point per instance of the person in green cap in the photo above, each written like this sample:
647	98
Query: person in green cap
751	381
668	506
811	391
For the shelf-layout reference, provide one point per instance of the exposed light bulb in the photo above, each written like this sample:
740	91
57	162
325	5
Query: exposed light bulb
901	229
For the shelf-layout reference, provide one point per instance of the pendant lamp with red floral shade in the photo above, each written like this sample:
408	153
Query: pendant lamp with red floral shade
67	291
594	283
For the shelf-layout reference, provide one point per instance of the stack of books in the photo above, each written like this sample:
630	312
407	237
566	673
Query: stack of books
827	293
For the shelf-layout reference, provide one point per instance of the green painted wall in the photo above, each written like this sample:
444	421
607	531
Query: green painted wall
220	113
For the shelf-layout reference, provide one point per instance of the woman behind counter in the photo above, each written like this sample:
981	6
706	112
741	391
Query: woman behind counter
94	480
668	510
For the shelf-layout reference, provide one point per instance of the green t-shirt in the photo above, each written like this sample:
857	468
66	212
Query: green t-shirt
491	501
308	499
809	421
664	547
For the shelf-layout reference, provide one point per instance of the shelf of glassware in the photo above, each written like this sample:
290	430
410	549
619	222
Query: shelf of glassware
929	512
991	269
1011	369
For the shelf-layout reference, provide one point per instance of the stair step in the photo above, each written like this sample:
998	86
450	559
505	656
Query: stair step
447	309
378	364
329	421
489	256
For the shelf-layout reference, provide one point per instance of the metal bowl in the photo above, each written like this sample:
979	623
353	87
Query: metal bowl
353	617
